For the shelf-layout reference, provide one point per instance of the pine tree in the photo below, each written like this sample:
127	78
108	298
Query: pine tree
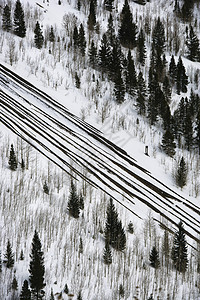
14	284
92	16
192	44
9	256
114	232
141	49
6	18
141	95
131	77
77	81
75	37
158	38
181	77
167	89
38	38
73	202
81	202
46	188
104	54
25	292
115	65
130	227
81	39
37	268
172	70
165	246
51	35
23	165
128	29
186	10
66	289
154	258
110	31
107	255
168	145
19	24
188	128
119	88
79	296
93	55
21	257
181	174
108	4
179	249
12	159
197	130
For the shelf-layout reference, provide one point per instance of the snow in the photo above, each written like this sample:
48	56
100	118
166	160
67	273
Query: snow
25	206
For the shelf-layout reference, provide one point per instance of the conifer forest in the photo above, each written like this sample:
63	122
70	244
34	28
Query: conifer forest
100	149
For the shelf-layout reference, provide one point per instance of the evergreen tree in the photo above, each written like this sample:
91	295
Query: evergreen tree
104	54
172	70
79	5
192	44
79	296
130	227
92	16
21	257
119	88
181	174
107	255
66	289
19	24
81	40
179	120
188	128
12	159
153	100
37	268
108	4
114	232
141	94
181	77
51	35
73	202
23	164
167	89
9	256
141	49
128	29
25	292
93	55
186	10
81	202
131	77
75	37
179	249
77	81
46	188
6	18
38	38
154	258
168	145
115	65
14	284
165	246
158	38
110	31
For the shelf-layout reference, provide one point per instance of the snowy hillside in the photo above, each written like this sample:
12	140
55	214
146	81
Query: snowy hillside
44	118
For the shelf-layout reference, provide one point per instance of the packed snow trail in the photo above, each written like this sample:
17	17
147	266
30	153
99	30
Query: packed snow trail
82	150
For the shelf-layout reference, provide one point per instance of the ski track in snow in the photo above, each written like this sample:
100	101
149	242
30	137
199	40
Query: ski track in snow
77	147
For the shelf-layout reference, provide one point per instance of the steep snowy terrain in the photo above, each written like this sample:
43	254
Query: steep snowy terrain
105	159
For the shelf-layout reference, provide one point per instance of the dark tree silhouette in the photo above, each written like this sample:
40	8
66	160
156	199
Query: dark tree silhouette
38	37
73	202
12	159
119	87
9	256
19	24
128	29
37	268
179	249
110	31
6	18
131	76
154	258
108	4
192	43
141	95
181	77
25	292
107	255
172	70
158	37
93	55
181	174
46	188
168	144
92	16
51	35
141	49
104	54
81	39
